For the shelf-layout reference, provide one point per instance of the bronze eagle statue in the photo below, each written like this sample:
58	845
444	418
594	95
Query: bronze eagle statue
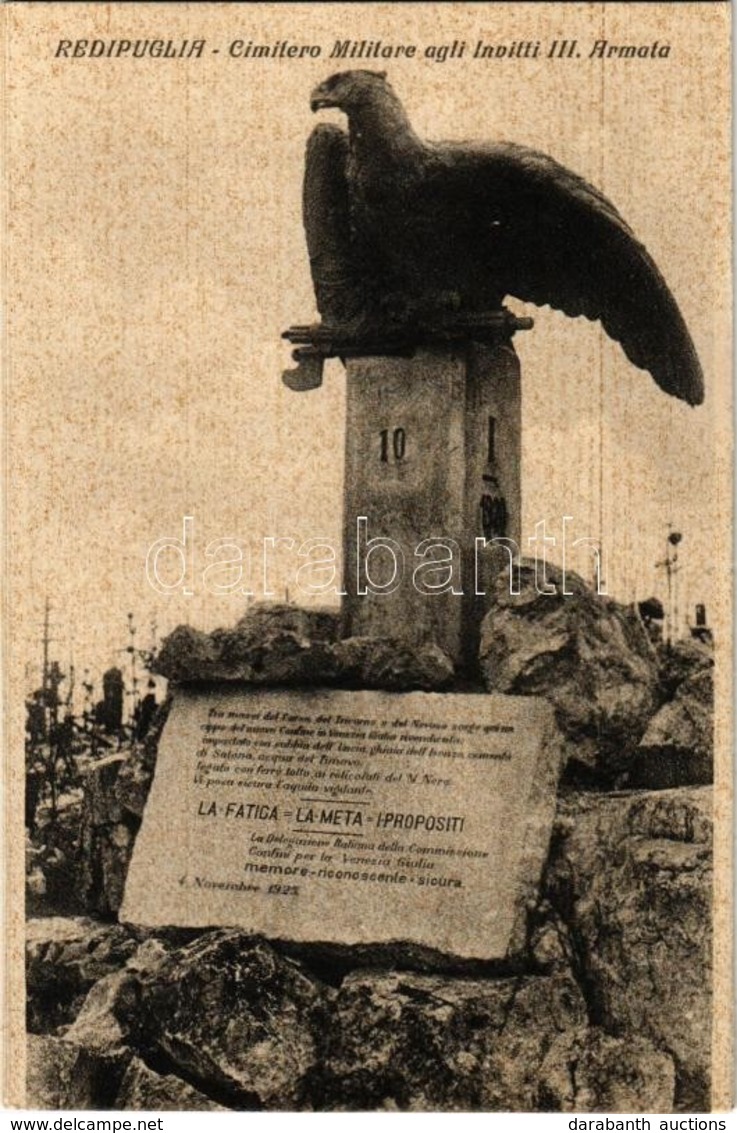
398	228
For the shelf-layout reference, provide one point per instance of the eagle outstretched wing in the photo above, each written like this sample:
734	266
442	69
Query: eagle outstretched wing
386	212
554	239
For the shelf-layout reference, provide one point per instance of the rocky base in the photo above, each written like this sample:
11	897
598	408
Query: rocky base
634	712
612	1011
286	645
608	1008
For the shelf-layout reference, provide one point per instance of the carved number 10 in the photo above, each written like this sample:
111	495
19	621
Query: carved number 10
393	444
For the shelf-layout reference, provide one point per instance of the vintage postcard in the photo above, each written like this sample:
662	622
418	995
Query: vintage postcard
368	522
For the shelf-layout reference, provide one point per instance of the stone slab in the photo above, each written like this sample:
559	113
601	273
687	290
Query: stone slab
349	817
433	456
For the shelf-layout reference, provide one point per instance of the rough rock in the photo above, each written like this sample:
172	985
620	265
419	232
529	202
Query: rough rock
317	623
133	782
236	1019
110	1019
115	790
589	655
65	956
102	805
589	1071
51	882
150	955
409	1042
62	1075
632	878
188	651
550	947
279	657
681	660
144	1089
290	646
107	834
100	1024
678	746
384	663
52	857
35	880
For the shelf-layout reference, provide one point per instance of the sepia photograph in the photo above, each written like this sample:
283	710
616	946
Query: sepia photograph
367	639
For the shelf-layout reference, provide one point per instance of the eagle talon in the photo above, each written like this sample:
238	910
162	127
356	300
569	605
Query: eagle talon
406	310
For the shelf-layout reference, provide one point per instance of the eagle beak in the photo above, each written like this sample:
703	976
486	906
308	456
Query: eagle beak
320	100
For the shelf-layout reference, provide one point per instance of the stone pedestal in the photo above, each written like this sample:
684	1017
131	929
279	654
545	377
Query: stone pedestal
432	464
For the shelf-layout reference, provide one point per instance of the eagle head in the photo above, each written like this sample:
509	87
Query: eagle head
347	89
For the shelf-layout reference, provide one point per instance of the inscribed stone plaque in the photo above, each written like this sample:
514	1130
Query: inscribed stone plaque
349	817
